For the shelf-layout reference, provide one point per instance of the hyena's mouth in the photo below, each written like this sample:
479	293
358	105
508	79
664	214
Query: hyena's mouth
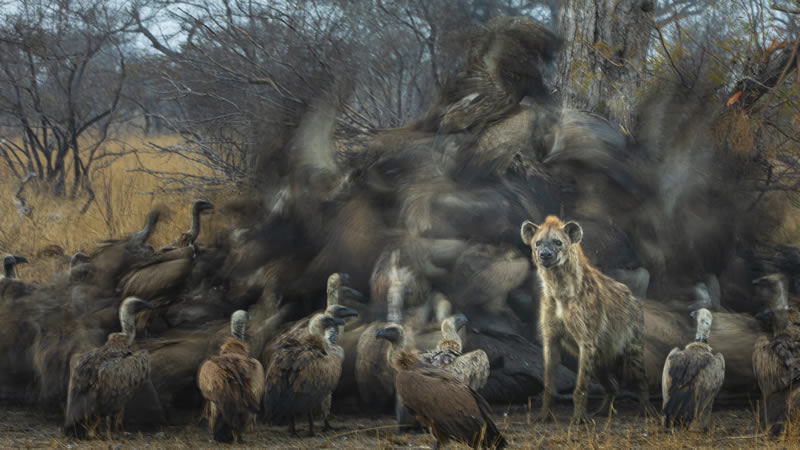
547	263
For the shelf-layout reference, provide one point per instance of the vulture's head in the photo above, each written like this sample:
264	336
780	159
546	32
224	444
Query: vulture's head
338	291
322	322
393	333
9	261
202	207
127	315
703	318
239	324
341	312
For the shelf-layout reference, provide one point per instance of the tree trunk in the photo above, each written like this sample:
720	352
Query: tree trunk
605	45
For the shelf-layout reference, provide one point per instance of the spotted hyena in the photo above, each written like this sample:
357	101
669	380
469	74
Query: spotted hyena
587	313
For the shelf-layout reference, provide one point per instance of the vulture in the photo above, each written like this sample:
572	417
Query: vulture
10	287
116	256
232	384
188	237
303	372
164	274
471	368
439	399
104	379
692	378
776	364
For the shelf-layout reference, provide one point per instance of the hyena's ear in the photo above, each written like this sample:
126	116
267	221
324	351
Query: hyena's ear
527	231
574	231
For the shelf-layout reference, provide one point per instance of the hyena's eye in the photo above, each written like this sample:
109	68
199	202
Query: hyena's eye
558	243
538	243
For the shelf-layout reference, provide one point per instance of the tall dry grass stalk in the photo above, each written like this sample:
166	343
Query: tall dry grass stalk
123	197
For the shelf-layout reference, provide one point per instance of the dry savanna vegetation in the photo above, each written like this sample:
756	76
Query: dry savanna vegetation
125	191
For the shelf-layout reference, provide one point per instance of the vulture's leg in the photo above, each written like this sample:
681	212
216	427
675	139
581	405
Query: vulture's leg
310	425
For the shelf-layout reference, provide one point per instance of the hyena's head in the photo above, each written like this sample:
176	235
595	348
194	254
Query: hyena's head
551	242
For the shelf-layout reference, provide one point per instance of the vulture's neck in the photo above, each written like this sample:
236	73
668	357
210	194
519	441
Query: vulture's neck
194	231
402	358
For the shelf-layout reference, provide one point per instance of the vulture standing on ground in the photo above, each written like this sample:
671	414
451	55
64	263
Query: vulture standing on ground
776	363
303	372
471	368
164	274
10	287
438	399
104	379
232	384
692	378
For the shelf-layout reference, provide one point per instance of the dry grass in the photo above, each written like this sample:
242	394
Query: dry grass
123	197
732	428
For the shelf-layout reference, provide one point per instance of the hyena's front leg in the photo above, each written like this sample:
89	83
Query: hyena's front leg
552	359
579	396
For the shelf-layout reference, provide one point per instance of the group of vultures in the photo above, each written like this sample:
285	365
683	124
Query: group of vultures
390	277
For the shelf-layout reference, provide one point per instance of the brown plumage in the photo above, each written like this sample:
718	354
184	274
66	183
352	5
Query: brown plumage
503	66
104	379
776	364
471	368
232	383
439	400
303	373
692	378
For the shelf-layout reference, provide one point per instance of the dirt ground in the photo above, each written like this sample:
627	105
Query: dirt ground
732	428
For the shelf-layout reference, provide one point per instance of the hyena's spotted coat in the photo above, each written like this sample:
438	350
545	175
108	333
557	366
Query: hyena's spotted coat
587	313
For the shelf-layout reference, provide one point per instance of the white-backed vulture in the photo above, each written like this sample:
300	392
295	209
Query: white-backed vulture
303	373
115	256
187	238
471	368
373	373
232	384
438	399
105	378
160	277
776	364
692	378
12	288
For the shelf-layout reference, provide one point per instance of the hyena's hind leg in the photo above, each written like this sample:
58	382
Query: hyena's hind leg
610	388
635	357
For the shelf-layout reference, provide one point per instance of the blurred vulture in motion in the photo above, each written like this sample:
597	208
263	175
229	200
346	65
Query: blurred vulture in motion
776	363
232	383
163	275
503	66
692	378
471	368
188	238
115	256
303	372
12	288
105	378
438	399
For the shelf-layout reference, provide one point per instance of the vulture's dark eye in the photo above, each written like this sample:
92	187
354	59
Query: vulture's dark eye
558	243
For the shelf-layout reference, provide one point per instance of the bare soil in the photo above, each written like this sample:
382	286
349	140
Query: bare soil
732	428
